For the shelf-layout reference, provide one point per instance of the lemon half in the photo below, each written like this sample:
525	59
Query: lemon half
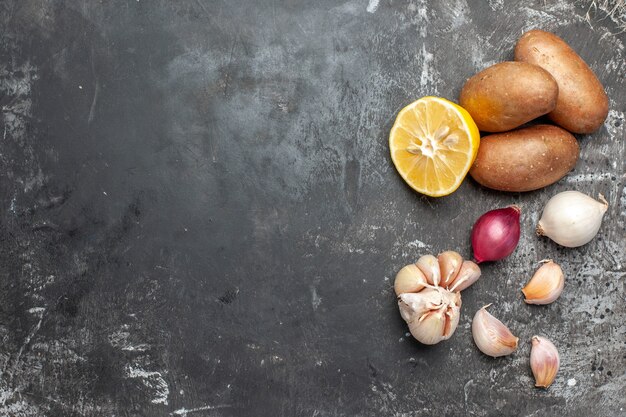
433	144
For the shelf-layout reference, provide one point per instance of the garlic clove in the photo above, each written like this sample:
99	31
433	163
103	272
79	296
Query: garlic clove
571	218
432	314
468	274
449	265
491	336
429	330
546	285
429	265
544	361
409	279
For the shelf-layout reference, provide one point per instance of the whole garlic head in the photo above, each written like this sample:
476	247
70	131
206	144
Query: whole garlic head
429	295
432	314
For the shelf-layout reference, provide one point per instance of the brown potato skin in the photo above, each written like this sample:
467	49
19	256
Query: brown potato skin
582	105
525	159
509	94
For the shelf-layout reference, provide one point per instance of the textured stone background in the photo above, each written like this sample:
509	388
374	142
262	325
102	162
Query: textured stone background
199	216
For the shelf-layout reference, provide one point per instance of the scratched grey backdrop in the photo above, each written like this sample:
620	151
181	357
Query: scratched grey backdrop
199	216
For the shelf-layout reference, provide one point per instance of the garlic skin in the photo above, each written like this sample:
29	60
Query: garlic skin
491	336
468	274
432	314
571	218
449	265
409	279
546	285
544	361
429	265
414	305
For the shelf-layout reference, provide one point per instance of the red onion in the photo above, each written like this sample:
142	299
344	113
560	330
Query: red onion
495	234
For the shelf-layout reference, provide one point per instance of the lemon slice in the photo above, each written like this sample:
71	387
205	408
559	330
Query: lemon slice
433	144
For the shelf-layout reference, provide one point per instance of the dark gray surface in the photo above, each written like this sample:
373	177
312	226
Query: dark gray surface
200	217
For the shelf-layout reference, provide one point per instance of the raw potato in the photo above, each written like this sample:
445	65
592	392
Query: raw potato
509	94
525	159
582	105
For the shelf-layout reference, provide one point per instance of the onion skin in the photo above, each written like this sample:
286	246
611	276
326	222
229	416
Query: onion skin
495	234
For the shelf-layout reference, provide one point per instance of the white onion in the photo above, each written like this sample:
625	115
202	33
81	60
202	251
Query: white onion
572	218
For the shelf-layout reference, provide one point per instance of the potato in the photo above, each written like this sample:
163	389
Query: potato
525	159
509	94
582	104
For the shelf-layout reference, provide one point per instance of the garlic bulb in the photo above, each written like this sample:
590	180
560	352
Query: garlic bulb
572	218
429	295
544	361
409	279
432	314
546	285
491	336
